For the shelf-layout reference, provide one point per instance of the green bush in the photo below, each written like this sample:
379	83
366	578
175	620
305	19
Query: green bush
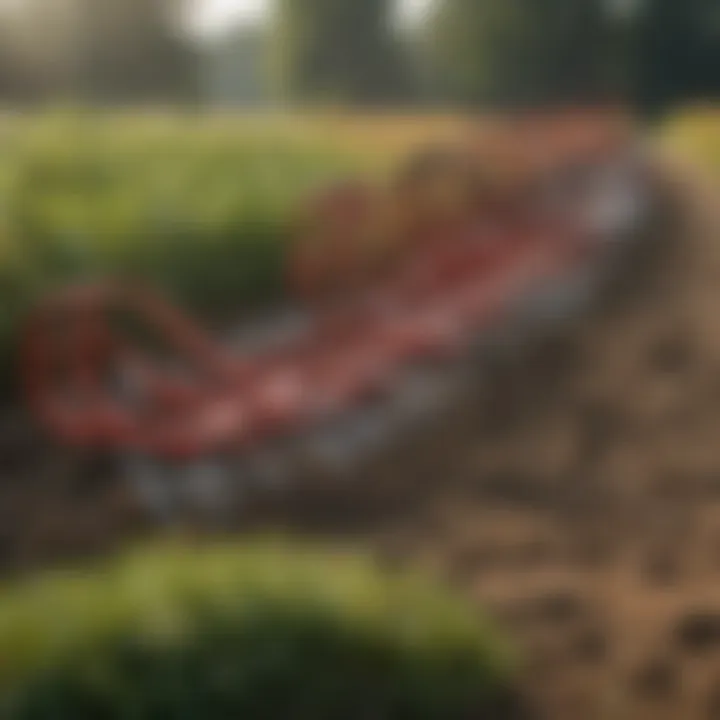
245	632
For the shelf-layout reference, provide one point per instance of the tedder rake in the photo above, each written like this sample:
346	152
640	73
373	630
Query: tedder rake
401	289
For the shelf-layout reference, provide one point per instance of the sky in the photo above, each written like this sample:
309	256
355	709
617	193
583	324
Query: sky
214	15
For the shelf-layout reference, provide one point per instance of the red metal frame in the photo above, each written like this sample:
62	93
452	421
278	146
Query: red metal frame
460	279
440	300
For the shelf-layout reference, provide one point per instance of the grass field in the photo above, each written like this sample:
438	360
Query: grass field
695	134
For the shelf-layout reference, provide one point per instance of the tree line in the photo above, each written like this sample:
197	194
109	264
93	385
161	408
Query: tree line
652	53
464	53
97	51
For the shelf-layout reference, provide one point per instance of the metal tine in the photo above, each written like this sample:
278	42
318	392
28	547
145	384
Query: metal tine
341	447
618	202
560	301
334	448
276	330
155	486
270	467
206	485
168	491
428	390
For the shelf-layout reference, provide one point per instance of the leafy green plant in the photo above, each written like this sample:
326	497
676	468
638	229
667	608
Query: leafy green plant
258	631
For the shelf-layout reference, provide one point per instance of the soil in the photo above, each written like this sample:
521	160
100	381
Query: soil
577	499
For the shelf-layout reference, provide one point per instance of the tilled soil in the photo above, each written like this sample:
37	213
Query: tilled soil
578	497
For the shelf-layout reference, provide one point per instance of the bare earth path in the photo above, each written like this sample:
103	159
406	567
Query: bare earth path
587	512
580	502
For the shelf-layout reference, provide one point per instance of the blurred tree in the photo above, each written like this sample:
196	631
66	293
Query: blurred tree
34	51
235	67
134	51
337	51
520	50
677	53
14	82
103	50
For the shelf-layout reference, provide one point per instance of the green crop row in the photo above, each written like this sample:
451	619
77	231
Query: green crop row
199	210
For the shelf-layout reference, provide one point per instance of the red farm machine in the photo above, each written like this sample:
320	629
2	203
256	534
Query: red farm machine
397	288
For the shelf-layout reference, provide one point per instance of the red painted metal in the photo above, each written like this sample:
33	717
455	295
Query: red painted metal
433	306
93	387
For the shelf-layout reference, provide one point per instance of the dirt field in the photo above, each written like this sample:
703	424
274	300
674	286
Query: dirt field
579	501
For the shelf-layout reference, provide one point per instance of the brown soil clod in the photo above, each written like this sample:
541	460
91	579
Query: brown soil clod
559	607
699	631
663	568
658	679
591	645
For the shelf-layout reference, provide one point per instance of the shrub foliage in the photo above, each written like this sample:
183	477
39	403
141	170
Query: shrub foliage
254	632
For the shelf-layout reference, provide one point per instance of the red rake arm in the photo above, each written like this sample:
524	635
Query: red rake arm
433	307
